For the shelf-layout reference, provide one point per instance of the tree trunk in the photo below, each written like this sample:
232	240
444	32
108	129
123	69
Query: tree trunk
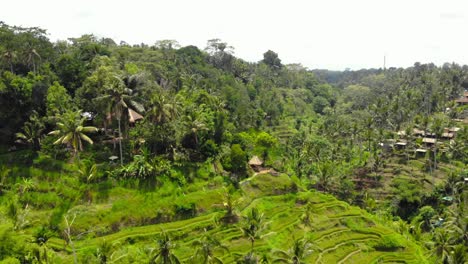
120	143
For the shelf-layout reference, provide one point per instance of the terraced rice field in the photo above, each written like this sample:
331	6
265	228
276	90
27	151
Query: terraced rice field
339	232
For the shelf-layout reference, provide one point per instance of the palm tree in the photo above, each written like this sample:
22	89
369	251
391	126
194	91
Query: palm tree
457	222
458	255
163	109
32	131
437	127
443	244
87	170
31	54
9	55
72	132
205	250
297	254
326	171
253	225
194	124
249	258
164	253
119	96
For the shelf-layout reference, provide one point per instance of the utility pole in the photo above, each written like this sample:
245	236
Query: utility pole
384	61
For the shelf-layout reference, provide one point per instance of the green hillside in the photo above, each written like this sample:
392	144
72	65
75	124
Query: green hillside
337	232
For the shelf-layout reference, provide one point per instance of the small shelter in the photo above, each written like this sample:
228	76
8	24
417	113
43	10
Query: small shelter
401	144
256	163
133	116
447	135
454	130
418	132
420	152
429	141
463	100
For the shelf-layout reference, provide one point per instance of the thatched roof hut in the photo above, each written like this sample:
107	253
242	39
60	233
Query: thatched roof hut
133	116
255	161
429	140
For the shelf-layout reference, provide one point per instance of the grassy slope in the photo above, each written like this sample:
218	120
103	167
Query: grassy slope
342	233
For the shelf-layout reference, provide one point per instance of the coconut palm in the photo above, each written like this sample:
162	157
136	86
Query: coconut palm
458	255
119	96
457	222
205	248
32	131
249	258
297	254
162	108
71	131
87	170
194	124
31	55
442	244
253	225
326	171
164	254
9	56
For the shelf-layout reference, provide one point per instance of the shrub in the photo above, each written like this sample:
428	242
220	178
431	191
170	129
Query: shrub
184	211
47	163
389	243
238	159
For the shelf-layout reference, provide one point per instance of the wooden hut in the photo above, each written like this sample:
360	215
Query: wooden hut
463	100
420	152
429	141
133	116
256	163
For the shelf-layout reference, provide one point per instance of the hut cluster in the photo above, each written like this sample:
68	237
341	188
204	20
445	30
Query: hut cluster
422	141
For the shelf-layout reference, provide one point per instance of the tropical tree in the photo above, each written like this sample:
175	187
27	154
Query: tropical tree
164	254
442	244
118	97
194	124
326	172
253	225
458	255
9	56
162	109
205	248
31	54
87	170
249	258
32	131
297	254
72	132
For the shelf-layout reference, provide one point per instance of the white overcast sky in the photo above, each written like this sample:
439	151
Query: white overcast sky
327	34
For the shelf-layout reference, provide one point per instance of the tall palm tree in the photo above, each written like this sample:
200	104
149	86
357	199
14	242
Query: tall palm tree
297	254
253	225
164	254
118	97
205	248
72	132
9	55
31	55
